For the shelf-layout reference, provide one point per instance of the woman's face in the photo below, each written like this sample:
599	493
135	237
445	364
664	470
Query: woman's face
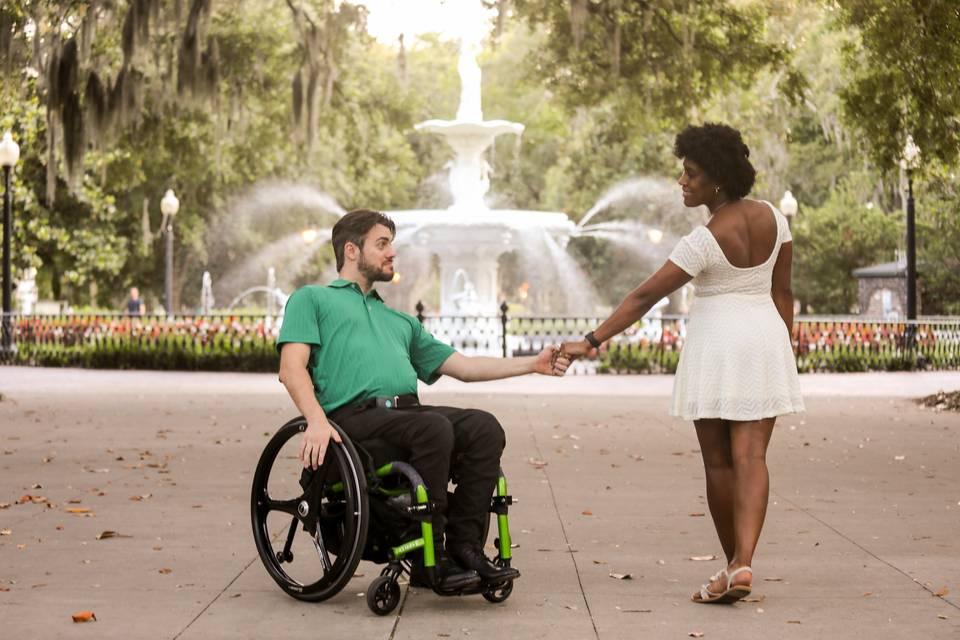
698	188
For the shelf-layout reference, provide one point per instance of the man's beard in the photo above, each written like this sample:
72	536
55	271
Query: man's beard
371	272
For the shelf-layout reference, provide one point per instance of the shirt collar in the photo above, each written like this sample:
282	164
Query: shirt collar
342	283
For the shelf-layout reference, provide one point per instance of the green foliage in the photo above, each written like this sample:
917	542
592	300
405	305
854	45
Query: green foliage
938	243
905	71
847	232
661	56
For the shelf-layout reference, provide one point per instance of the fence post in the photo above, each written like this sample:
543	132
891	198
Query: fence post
503	326
420	308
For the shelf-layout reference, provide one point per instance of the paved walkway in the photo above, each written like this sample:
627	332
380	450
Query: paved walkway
860	542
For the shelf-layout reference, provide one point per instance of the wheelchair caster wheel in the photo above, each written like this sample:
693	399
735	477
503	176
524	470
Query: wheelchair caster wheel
383	595
281	557
499	592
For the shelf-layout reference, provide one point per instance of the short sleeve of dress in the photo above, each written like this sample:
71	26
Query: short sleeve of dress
785	235
689	253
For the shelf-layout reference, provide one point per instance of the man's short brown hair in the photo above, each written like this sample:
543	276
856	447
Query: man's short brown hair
353	227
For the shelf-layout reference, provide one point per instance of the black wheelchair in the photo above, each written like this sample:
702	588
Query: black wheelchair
363	503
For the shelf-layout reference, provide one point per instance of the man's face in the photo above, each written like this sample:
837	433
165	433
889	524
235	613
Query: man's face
134	293
376	257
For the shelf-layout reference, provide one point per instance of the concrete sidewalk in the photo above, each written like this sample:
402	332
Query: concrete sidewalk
861	531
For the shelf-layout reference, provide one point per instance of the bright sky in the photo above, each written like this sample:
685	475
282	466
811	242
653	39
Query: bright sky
452	18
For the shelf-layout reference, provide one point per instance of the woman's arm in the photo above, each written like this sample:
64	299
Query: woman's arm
665	281
780	290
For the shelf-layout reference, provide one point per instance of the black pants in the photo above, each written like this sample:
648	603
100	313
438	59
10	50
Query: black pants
441	441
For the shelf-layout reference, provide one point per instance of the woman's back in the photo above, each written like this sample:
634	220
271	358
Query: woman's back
746	232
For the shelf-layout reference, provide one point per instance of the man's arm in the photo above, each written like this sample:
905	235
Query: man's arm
477	368
294	357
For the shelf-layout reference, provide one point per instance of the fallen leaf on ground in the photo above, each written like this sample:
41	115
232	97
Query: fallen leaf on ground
636	610
695	634
697	514
6	532
236	595
84	616
599	562
754	598
166	570
537	463
141	497
794	622
773	579
867	594
4	588
586	512
571	607
78	510
111	534
942	592
4	505
21	547
622	576
939	615
702	558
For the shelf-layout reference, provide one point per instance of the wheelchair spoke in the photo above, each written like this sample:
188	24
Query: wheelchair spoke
322	551
286	506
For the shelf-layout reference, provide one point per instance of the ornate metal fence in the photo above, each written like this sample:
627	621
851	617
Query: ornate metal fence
247	342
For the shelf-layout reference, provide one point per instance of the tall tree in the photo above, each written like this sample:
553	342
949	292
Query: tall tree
905	72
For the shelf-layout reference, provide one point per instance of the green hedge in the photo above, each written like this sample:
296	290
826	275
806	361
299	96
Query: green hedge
255	354
175	353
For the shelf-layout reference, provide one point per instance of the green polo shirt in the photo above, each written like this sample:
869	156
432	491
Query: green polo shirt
359	347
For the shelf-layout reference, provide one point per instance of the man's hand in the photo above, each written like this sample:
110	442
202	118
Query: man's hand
579	349
551	362
315	441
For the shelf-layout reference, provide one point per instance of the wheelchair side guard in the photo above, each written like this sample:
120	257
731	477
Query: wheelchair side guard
499	505
422	507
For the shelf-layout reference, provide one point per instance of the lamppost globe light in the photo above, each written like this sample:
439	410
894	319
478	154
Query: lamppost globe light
788	204
654	235
910	161
9	151
169	205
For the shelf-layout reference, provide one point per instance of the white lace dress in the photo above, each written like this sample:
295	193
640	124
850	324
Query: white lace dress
737	362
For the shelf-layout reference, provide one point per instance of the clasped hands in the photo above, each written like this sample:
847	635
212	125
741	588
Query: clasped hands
561	357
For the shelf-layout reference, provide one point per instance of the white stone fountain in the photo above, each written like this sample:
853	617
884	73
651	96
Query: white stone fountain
469	237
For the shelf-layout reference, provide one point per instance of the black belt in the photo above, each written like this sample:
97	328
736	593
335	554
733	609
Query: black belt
388	402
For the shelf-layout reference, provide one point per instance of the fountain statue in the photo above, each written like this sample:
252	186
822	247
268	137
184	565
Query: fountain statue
468	238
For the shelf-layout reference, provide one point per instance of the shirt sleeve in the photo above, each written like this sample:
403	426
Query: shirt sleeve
301	319
689	254
427	354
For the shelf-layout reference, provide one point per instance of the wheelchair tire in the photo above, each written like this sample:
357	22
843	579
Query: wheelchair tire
498	593
383	595
351	518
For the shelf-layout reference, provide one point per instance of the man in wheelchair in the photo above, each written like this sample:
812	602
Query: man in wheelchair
347	355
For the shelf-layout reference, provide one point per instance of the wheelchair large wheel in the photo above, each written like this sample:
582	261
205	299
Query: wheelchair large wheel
309	527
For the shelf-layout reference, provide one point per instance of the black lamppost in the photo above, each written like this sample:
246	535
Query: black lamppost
9	154
169	206
910	163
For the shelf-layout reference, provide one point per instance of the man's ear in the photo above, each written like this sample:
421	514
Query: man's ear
350	251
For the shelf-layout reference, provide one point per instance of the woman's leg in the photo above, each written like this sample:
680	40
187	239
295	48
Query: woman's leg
714	437
748	444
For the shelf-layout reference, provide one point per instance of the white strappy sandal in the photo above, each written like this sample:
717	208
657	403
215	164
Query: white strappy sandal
728	596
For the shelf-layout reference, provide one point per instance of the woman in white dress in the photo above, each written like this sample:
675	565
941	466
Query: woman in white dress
737	370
